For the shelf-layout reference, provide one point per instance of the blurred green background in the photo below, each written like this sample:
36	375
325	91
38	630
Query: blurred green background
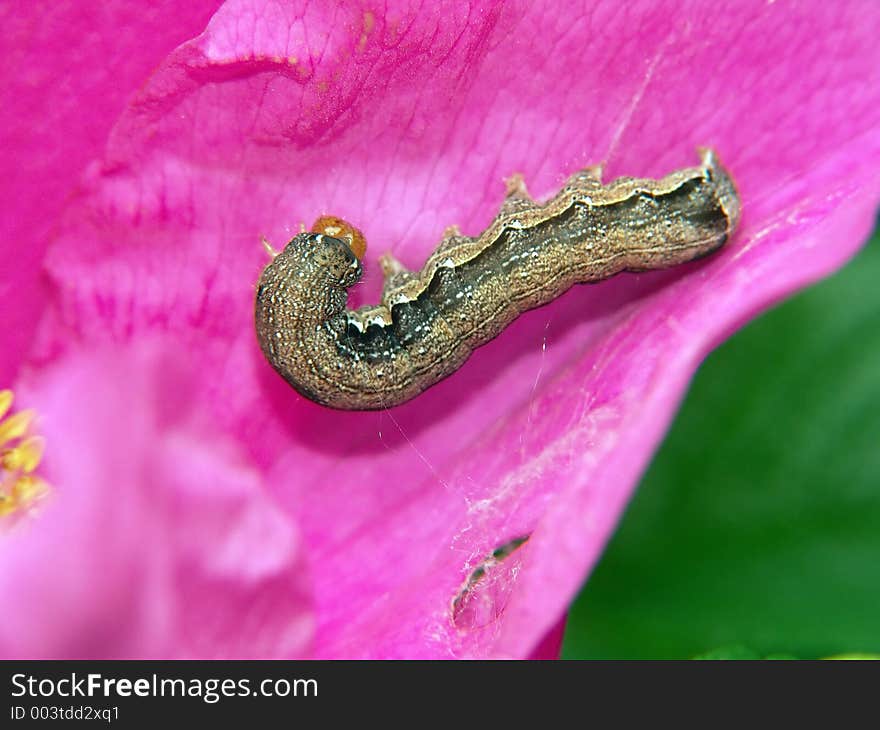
756	530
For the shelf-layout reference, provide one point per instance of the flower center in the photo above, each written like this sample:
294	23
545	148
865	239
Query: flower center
20	454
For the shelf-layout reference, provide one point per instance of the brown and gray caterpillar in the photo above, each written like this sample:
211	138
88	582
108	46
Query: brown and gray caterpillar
470	289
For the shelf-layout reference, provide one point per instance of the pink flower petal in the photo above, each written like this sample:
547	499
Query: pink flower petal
159	539
68	70
550	646
404	121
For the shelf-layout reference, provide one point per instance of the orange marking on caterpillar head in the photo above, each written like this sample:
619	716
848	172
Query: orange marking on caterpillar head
330	225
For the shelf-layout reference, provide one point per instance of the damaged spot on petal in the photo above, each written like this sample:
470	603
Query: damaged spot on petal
484	594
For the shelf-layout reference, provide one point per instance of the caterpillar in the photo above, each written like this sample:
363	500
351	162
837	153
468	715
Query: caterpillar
471	288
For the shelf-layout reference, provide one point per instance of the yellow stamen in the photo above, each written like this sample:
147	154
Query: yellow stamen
15	426
25	457
5	402
25	492
20	454
7	505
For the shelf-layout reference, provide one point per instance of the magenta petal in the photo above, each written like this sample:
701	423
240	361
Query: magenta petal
159	539
551	645
404	121
68	70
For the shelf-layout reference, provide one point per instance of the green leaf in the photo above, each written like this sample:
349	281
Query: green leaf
730	652
758	524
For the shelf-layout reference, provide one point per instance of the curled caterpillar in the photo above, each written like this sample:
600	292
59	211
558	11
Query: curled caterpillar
470	289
